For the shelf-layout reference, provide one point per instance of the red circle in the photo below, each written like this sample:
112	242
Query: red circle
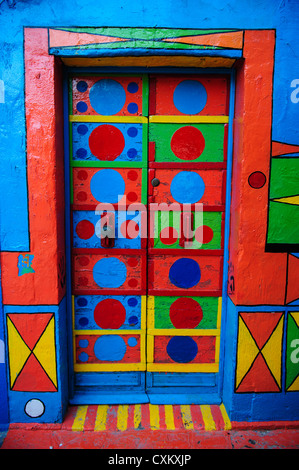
109	313
185	313
132	262
257	180
168	235
106	142
83	260
82	196
132	175
85	229
82	175
129	229
204	234
187	143
133	283
132	197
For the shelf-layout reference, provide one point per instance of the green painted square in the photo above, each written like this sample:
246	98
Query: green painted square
284	179
162	134
172	219
283	225
209	307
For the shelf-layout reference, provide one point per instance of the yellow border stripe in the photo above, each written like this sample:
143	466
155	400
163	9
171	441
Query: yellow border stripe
181	367
78	424
227	423
183	332
154	417
137	416
119	119
208	418
187	417
122	417
101	418
169	419
120	366
189	119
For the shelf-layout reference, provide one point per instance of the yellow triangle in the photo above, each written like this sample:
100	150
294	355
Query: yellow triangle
272	351
288	200
295	386
44	351
18	351
247	351
295	315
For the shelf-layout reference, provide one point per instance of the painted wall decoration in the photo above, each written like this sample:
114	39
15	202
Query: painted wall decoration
249	226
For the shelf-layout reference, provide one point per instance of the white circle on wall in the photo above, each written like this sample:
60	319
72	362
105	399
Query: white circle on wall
34	408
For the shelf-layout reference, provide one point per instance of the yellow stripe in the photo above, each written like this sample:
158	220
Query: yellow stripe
208	418
109	367
186	417
137	416
180	367
151	311
189	119
169	420
101	418
106	332
227	423
154	417
75	118
122	417
143	312
78	424
219	312
183	332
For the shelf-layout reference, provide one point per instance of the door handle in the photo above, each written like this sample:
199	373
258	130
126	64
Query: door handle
107	230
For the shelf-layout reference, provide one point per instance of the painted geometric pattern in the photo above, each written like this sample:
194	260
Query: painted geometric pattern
150	417
292	285
283	225
259	355
133	38
292	353
31	346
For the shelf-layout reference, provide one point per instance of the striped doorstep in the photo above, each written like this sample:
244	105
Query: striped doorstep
147	417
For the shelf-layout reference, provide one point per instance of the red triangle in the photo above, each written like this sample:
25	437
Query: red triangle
33	378
279	148
261	325
30	326
293	276
258	378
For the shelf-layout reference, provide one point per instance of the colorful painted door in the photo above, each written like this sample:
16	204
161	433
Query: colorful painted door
148	166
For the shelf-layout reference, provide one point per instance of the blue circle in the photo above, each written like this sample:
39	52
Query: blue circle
132	342
82	302
81	153
185	273
107	97
82	86
132	302
132	153
132	131
83	343
132	108
82	129
83	321
110	348
182	349
133	320
187	187
190	97
83	357
81	107
132	87
109	272
107	186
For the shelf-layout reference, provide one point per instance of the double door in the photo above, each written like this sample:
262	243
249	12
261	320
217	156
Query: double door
147	192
